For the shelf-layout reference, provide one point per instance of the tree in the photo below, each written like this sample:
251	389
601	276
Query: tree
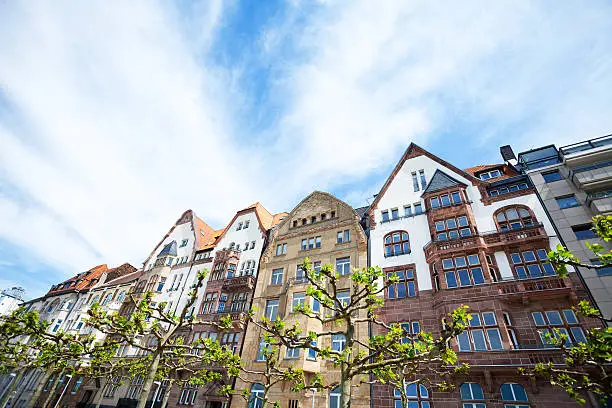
26	344
383	357
160	336
588	364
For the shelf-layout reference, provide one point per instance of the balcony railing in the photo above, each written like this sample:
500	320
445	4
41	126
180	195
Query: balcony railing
521	287
239	282
587	145
529	233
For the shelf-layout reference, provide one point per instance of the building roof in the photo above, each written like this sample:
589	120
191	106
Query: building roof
127	278
507	171
169	249
119	271
414	150
204	233
81	281
439	181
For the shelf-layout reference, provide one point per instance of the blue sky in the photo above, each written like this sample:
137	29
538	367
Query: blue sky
114	120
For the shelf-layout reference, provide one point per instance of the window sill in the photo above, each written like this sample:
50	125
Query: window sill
309	249
343	243
394	255
280	255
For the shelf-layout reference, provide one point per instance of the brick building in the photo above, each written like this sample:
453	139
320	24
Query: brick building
475	237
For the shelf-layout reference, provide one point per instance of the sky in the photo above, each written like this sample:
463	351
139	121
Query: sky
114	119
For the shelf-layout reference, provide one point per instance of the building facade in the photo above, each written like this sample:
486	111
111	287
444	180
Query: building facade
477	238
10	299
328	231
575	184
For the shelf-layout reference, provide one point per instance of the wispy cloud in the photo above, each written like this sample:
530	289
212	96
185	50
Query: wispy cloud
114	120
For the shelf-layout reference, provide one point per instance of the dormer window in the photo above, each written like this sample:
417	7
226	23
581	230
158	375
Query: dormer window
246	224
239	226
184	242
488	175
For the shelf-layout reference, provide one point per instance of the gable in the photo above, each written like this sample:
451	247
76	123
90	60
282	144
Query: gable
440	181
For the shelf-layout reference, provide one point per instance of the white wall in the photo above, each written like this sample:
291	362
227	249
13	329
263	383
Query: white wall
401	192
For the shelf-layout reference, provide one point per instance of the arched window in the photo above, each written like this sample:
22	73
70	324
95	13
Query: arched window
513	392
397	243
257	393
334	397
121	297
418	396
472	395
107	299
514	217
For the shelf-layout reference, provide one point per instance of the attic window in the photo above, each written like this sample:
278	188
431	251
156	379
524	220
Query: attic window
487	175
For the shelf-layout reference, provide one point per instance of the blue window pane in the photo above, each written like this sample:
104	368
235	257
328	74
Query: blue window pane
521	273
516	258
473	260
478	276
495	339
567	202
529	256
416	328
465	391
477	393
447	263
464	341
548	269
460	262
423	391
456	197
398	404
462	221
554	318
475	320
538	319
391	292
534	271
464	277
506	392
519	393
542	254
397	393
409	274
578	334
489	319
479	340
411	289
570	316
401	290
413	404
451	280
453	234
411	390
440	226
552	176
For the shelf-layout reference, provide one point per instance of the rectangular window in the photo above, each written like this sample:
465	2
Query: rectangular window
293	353
300	276
304	244
316	306
184	243
312	354
567	201
423	180
530	265
418	209
311	243
551	176
277	277
338	342
405	287
456	196
318	242
435	202
407	210
556	323
394	213
461	272
452	228
490	175
415	181
272	309
263	347
584	231
298	300
343	266
239	227
344	297
483	334
385	216
343	236
411	329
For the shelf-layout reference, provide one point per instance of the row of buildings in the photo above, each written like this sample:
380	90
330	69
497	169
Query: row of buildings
476	237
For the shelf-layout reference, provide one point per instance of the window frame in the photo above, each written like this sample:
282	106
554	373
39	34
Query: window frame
389	247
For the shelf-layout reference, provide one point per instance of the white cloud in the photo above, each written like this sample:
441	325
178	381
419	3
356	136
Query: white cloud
119	119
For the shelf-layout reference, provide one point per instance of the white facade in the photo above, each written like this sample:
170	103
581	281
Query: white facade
400	193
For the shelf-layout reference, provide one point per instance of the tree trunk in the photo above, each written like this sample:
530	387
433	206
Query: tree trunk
39	387
345	396
11	388
99	395
148	384
52	390
167	394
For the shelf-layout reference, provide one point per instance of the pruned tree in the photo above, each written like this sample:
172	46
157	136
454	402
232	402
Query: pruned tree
383	357
159	335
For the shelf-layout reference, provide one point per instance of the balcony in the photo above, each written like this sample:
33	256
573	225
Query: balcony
503	238
448	247
217	316
227	254
600	202
586	146
239	283
592	176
